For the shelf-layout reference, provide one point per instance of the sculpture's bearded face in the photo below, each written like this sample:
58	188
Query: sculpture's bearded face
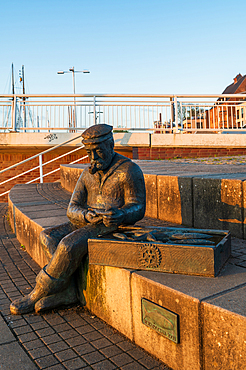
100	154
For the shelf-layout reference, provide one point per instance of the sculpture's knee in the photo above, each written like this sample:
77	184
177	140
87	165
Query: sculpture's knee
48	243
72	248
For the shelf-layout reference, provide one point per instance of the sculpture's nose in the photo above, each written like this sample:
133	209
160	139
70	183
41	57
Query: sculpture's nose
94	155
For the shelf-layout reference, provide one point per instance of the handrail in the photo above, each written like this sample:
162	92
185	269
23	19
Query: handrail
57	169
122	95
37	155
74	112
41	164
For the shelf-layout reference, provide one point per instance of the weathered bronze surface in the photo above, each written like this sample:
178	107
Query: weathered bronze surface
173	250
110	193
161	320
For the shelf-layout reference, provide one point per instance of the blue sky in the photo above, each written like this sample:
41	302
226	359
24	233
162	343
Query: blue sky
129	46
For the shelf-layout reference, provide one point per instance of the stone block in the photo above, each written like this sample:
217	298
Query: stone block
186	354
69	175
43	213
151	196
218	204
35	249
244	208
198	141
224	331
175	199
183	295
108	296
11	214
134	139
22	228
46	207
27	232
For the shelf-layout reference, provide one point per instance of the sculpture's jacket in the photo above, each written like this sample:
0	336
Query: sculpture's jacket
121	185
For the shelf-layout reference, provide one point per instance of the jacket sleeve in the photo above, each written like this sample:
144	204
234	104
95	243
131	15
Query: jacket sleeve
77	207
135	195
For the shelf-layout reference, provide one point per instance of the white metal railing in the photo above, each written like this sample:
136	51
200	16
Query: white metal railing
41	164
161	113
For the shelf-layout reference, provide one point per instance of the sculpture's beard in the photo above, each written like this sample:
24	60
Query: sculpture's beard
99	165
92	169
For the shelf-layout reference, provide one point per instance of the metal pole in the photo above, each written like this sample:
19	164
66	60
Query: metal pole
176	114
13	81
74	118
14	113
181	116
23	89
14	101
41	168
95	114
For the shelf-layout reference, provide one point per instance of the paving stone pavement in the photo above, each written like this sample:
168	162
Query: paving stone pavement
62	339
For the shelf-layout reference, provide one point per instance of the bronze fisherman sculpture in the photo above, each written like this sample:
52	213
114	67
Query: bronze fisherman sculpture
109	193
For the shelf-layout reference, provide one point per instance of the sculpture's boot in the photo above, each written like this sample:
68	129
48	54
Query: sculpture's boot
45	285
63	298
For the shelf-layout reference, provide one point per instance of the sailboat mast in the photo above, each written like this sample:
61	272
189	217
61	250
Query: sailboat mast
23	91
13	81
23	81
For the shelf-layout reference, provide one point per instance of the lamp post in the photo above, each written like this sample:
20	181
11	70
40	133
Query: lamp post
72	70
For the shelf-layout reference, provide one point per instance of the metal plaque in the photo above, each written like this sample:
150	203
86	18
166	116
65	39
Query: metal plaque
161	320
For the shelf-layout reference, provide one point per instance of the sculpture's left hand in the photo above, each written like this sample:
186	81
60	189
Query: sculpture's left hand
113	217
92	217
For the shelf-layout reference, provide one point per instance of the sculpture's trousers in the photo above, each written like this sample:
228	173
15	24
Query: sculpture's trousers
65	245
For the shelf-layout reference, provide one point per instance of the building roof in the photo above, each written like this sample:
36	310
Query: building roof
234	87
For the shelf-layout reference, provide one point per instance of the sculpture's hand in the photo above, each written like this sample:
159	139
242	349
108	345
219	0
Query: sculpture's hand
92	217
113	217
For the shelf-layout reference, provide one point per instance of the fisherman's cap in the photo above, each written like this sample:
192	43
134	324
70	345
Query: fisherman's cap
97	134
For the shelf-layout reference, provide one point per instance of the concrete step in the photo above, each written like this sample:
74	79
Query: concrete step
210	311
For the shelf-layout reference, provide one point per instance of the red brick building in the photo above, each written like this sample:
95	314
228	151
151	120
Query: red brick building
224	114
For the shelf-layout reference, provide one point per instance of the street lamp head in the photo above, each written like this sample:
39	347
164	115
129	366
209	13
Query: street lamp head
86	71
60	72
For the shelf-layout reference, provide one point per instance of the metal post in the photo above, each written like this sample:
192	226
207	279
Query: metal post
181	117
23	91
40	168
74	117
176	114
94	112
13	123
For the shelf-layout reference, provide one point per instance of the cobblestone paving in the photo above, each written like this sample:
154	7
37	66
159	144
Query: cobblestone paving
63	339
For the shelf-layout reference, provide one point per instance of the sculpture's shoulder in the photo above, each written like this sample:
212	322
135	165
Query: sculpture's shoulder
127	166
85	172
125	163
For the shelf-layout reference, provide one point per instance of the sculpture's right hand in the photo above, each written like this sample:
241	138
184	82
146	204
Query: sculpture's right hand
93	218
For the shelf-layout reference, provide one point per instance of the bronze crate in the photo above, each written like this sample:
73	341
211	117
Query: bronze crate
188	259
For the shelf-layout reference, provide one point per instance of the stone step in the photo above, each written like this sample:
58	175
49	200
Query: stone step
194	195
